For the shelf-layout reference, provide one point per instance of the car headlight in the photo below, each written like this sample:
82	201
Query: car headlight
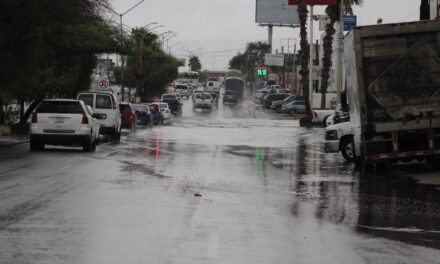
331	135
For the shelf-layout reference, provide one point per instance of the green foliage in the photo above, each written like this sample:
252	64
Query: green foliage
194	64
47	48
255	52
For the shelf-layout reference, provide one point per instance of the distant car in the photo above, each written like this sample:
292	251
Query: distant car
196	92
230	98
294	108
106	105
174	103
214	96
185	90
203	101
64	122
128	116
156	113
178	96
166	112
143	114
268	99
276	105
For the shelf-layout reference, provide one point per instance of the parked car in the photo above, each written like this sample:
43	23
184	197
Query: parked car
268	99
166	112
106	105
230	98
128	116
203	101
339	138
143	114
156	113
294	108
174	103
64	122
276	105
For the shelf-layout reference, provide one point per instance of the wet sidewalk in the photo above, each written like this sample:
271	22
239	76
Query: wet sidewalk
6	141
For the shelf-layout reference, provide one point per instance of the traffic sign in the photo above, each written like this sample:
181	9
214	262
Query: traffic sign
349	22
103	84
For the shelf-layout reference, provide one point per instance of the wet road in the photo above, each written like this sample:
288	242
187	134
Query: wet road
227	186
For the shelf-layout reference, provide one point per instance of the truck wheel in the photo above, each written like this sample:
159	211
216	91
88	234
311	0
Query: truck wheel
87	145
347	150
325	121
35	145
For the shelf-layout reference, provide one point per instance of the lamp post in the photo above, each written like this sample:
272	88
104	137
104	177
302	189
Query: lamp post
170	37
122	58
176	44
158	26
149	24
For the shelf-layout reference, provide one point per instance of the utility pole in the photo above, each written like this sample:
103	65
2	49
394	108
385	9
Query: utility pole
122	45
270	38
339	54
311	59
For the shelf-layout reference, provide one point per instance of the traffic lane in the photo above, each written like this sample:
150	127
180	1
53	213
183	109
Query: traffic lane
204	190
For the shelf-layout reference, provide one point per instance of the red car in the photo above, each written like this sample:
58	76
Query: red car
128	116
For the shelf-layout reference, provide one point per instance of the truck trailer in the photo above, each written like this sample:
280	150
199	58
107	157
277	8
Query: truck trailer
393	88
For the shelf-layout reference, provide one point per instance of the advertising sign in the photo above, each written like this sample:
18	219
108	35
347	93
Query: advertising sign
274	60
314	2
349	22
275	12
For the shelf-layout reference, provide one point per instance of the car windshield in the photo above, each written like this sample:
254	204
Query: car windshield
60	107
124	107
168	96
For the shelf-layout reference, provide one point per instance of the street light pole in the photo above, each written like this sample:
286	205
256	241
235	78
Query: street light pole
122	57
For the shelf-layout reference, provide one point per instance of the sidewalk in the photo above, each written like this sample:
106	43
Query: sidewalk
12	140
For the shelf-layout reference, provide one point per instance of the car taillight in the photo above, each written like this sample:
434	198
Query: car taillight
315	114
34	118
85	120
114	106
148	113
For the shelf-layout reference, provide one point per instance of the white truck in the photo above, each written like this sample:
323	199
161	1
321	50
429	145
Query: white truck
212	86
393	89
202	101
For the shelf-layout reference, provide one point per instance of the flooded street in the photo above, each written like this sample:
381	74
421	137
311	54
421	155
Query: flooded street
227	186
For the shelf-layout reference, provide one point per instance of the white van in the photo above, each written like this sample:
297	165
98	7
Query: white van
212	86
106	105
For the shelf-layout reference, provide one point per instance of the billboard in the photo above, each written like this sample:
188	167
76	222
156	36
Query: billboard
314	2
275	12
274	60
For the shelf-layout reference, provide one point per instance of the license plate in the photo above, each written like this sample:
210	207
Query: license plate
59	120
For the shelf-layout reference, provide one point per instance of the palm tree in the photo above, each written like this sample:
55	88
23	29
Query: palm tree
305	53
333	13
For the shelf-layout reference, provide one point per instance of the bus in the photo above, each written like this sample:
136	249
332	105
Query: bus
191	77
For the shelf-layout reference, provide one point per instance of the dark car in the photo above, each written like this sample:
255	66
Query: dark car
268	99
143	114
276	105
173	103
230	97
128	116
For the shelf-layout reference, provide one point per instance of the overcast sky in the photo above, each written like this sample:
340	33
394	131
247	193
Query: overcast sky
217	30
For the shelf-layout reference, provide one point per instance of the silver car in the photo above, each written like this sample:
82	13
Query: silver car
294	108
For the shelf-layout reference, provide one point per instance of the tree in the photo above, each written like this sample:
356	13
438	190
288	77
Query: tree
47	48
194	63
305	54
334	15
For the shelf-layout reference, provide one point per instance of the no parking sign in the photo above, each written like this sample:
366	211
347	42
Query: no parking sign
103	84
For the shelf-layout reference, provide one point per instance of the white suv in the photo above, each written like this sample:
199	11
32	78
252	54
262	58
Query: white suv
105	105
63	122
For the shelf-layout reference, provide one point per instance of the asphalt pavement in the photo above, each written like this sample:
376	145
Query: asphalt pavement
231	185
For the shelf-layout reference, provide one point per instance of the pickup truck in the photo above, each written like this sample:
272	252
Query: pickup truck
203	101
338	138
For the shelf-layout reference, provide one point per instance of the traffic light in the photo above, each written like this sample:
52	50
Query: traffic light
262	72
